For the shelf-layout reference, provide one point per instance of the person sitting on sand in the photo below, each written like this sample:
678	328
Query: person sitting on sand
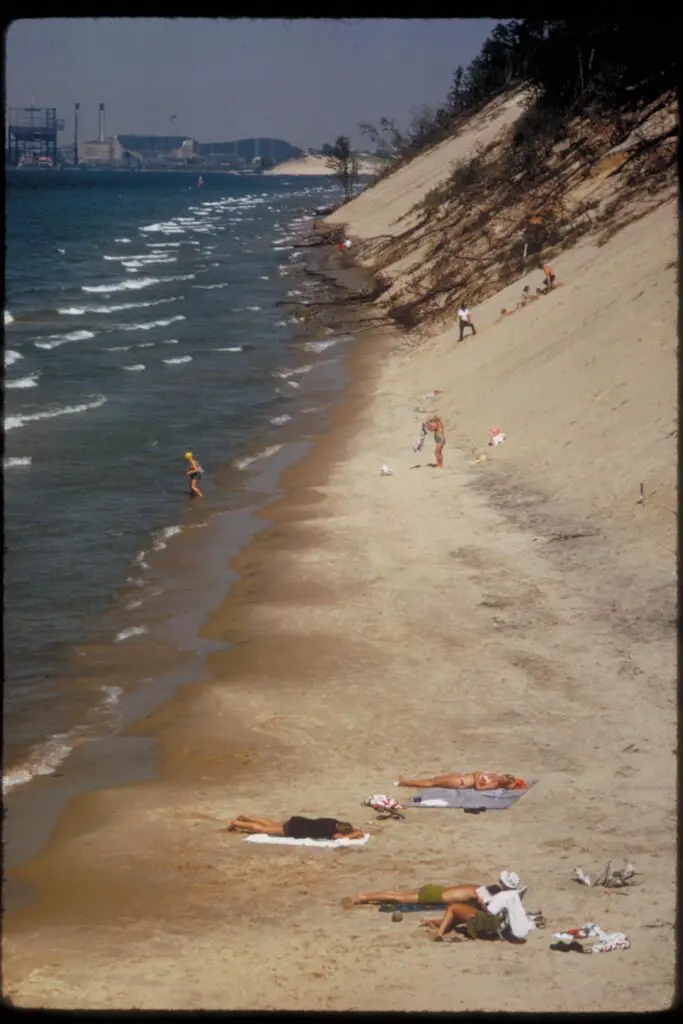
434	425
464	780
469	894
295	828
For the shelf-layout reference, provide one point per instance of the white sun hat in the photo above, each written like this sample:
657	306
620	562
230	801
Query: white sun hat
510	879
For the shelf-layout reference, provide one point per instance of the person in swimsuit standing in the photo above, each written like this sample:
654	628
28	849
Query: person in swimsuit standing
464	780
295	828
434	425
194	472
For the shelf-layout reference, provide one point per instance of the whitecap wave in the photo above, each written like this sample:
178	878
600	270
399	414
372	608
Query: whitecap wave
123	241
12	422
11	356
150	324
23	382
9	319
80	310
43	759
277	421
232	348
121	286
179	359
286	373
56	340
17	462
265	454
320	346
125	634
135	366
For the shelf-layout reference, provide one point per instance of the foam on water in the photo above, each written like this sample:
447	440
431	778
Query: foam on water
23	382
180	359
126	634
161	536
80	310
232	348
149	324
135	366
12	422
121	286
11	356
265	454
55	340
17	462
277	421
9	319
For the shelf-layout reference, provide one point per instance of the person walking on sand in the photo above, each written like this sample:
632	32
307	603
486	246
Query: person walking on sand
194	472
434	425
295	828
465	320
549	281
481	781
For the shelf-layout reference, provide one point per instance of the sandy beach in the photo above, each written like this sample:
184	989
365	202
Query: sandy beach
317	165
514	612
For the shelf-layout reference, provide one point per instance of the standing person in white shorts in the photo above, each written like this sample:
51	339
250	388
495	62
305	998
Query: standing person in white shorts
465	321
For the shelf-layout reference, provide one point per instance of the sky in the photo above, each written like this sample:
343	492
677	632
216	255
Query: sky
303	80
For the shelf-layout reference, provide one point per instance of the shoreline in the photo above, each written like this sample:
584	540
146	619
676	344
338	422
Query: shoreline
172	651
385	624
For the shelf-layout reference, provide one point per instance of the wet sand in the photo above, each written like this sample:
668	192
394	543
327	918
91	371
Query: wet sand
421	622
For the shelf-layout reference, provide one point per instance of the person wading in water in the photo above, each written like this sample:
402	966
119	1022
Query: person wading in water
194	472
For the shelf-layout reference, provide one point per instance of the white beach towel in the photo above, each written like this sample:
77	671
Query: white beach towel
288	841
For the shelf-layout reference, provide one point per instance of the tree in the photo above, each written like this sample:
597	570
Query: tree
342	160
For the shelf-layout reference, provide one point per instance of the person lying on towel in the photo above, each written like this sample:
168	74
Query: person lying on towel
466	780
295	828
436	894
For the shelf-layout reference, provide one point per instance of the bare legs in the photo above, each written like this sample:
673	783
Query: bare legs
194	488
456	913
253	825
383	896
451	781
438	455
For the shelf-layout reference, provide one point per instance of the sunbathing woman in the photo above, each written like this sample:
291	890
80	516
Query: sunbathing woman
436	894
295	828
466	780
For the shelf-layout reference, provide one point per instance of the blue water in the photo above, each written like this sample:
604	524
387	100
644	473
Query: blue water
143	324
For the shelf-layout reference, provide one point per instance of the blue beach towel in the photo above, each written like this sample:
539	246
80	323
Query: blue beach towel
470	799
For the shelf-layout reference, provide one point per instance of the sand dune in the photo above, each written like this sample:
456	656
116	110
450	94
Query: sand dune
316	165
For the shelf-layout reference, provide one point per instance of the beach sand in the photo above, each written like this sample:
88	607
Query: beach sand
316	165
514	615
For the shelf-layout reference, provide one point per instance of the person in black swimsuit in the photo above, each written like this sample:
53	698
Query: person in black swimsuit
295	828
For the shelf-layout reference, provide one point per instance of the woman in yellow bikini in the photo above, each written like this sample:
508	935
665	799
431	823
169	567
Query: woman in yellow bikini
465	780
195	473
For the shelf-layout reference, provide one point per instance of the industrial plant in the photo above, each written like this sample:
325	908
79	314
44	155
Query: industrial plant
32	142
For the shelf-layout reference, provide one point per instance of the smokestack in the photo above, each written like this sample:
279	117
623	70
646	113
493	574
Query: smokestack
100	134
77	107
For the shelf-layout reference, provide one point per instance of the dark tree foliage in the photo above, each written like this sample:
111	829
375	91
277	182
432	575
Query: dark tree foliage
586	65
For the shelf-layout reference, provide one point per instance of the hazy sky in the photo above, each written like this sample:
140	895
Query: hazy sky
305	81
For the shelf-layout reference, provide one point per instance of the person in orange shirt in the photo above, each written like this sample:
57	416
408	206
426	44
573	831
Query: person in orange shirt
549	282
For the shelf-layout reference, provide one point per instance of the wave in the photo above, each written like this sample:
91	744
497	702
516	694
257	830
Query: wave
55	340
150	324
125	634
170	341
209	287
12	422
80	310
179	359
135	366
287	373
161	536
119	348
121	286
9	319
17	462
145	344
11	356
43	759
277	421
123	241
320	346
23	382
232	348
265	454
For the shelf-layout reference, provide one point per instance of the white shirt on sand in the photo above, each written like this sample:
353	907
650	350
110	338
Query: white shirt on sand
464	314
